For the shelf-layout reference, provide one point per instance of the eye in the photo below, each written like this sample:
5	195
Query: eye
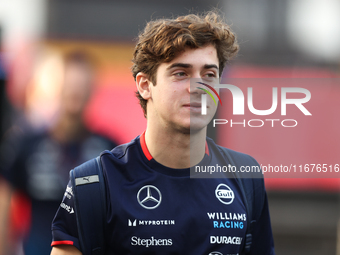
210	75
180	74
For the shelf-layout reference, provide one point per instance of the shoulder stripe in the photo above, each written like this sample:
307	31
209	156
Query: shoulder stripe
54	243
86	180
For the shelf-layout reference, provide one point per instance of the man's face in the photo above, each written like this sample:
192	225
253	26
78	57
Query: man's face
76	88
174	103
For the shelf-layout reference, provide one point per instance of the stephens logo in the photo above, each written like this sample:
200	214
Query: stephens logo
224	193
147	242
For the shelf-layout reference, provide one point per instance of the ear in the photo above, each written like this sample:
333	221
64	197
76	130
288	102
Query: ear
143	85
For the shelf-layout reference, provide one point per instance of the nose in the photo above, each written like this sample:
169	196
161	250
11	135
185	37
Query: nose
196	86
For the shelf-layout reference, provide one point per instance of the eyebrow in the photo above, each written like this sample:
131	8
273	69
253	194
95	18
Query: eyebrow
184	65
210	66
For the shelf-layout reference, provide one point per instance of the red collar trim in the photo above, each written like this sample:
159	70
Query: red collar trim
144	147
206	148
147	153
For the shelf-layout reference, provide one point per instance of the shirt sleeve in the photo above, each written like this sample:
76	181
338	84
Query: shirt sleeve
262	237
64	224
13	158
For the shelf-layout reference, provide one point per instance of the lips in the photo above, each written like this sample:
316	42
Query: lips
194	107
193	104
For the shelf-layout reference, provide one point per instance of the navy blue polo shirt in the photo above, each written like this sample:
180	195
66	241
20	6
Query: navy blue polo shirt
154	209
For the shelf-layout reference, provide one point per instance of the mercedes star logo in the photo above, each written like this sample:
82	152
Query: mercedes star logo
149	197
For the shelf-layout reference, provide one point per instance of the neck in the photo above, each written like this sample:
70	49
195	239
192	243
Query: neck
175	149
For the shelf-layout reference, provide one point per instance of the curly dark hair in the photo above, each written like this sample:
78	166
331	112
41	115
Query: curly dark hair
164	39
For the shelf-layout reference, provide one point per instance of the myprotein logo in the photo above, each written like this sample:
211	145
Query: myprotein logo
135	222
132	223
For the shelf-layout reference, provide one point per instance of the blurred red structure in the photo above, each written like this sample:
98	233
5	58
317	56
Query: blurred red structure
315	140
114	111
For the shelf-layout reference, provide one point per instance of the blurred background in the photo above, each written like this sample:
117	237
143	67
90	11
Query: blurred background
278	39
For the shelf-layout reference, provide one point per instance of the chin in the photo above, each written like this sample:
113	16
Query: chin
190	129
197	126
192	125
184	129
199	122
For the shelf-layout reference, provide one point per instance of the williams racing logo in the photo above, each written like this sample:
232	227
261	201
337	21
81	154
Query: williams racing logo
228	220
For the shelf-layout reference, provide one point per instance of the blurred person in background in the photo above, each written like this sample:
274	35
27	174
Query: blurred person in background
40	160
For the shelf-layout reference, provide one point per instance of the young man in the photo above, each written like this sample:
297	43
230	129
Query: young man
153	206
